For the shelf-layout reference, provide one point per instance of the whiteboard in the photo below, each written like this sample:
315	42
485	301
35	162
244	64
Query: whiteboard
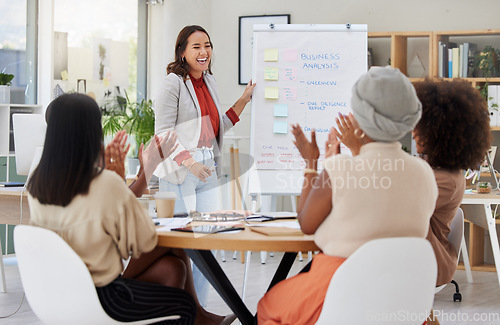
305	75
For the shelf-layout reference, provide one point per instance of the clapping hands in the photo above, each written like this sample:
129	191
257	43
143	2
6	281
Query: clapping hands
115	153
308	149
158	150
347	129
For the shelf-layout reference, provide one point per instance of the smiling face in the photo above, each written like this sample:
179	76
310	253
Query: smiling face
198	53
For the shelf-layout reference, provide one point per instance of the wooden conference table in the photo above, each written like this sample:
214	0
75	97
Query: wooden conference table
198	248
10	202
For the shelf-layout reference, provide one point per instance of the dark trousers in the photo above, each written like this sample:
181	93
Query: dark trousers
128	300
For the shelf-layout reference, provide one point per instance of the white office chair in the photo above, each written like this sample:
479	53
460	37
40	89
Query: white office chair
457	240
57	283
388	280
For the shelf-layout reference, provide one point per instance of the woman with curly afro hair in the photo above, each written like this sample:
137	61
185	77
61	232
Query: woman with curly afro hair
452	135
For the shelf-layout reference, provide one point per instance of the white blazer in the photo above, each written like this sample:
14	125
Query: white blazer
177	108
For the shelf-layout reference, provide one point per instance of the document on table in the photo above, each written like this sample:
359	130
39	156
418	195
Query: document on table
294	224
284	228
166	224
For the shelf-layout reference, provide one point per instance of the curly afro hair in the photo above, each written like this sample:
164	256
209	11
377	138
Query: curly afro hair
454	130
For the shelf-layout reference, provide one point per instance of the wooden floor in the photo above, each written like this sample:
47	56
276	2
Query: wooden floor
480	304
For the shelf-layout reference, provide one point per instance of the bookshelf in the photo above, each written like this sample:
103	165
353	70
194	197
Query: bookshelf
402	46
404	49
476	248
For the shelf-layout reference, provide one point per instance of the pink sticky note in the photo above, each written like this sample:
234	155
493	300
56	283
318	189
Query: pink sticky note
290	74
290	93
290	55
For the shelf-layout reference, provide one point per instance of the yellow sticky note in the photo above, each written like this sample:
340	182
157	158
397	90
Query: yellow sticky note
64	75
271	92
271	73
270	55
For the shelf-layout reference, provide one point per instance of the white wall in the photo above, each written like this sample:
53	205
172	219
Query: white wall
164	25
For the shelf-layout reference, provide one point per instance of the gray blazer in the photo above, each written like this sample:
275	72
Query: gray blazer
177	108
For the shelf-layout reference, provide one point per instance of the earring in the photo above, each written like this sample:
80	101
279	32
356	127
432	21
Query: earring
360	136
183	60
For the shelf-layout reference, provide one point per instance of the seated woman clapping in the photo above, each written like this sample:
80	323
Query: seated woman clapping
98	216
453	134
356	199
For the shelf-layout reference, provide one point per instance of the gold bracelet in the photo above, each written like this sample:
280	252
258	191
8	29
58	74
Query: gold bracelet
310	171
194	162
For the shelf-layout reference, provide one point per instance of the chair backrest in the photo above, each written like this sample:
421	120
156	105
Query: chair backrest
457	230
385	281
57	283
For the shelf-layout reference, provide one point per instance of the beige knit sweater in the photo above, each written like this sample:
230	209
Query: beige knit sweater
382	192
103	227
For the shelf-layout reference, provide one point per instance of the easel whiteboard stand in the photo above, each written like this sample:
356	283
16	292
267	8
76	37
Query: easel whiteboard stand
304	73
297	67
237	195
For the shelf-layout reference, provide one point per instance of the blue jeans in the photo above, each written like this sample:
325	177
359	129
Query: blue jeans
194	194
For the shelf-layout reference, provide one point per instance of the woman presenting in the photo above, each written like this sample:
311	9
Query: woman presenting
188	103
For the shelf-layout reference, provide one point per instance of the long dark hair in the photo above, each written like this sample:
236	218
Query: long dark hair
71	152
178	66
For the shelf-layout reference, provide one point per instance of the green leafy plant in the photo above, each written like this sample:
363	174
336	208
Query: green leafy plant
483	185
487	62
6	79
140	121
137	118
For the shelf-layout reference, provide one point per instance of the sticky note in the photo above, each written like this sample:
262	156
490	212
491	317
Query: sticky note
271	73
271	92
280	127
290	55
64	75
281	110
270	55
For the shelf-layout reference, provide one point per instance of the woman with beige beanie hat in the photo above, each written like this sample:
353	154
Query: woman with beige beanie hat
356	199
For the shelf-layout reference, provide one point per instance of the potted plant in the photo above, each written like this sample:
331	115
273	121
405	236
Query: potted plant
137	118
5	82
486	63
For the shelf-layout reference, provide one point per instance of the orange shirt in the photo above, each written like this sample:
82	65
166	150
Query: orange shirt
209	126
210	118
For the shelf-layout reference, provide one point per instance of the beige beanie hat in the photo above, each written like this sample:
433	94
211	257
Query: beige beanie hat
385	104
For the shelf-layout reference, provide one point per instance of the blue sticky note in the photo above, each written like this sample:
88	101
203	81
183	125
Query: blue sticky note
281	110
280	127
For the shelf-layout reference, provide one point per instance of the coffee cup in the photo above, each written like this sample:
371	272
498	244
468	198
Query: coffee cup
165	203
